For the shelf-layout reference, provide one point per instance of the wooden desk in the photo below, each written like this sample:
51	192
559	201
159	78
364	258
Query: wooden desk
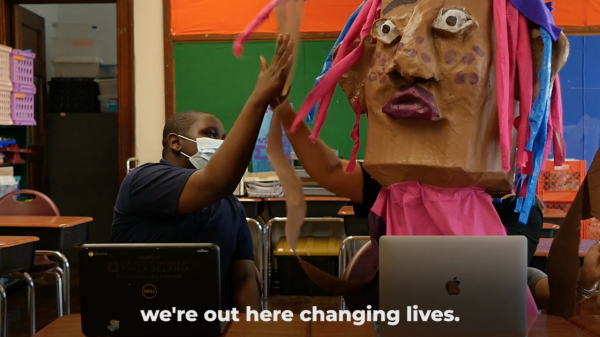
589	323
315	206
342	329
555	216
588	307
555	213
543	248
553	326
544	326
253	206
56	233
70	326
353	225
11	241
549	230
550	227
346	211
16	253
66	326
312	199
245	199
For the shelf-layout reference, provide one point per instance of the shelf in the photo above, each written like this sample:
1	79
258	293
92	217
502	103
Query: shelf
13	154
12	164
14	149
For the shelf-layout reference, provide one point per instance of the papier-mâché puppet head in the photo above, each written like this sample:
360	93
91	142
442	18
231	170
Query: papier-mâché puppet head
439	81
438	113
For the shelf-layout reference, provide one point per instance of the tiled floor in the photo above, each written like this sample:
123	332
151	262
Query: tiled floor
46	311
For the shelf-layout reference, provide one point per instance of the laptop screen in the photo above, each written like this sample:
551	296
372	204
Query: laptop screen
141	289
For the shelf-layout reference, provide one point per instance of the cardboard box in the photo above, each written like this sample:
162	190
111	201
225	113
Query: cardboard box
7	171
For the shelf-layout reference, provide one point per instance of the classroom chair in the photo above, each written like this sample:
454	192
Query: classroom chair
267	250
361	267
258	258
347	251
41	205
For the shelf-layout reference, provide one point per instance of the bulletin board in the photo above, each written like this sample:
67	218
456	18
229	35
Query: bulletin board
580	84
209	78
191	17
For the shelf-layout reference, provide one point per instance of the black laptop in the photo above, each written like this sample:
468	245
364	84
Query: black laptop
150	290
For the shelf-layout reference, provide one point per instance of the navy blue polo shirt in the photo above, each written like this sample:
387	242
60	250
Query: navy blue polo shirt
146	212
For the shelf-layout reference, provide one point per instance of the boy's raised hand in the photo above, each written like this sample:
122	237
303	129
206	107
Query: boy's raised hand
271	79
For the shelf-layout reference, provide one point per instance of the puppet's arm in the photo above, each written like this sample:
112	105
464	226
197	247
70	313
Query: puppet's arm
589	276
320	161
563	259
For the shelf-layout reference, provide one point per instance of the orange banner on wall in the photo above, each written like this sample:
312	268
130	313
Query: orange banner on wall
231	16
191	17
576	13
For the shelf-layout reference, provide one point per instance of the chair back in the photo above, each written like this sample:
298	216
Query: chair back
361	268
40	205
259	281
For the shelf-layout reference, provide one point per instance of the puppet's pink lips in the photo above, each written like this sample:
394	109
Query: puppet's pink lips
412	103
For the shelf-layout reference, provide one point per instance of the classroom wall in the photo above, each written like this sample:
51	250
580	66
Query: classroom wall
580	83
50	14
149	79
104	16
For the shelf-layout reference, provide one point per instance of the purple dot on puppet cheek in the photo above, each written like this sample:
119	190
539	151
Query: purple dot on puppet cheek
474	79
381	72
378	54
373	62
412	53
451	57
372	77
420	40
382	61
400	46
425	58
383	80
478	51
460	78
468	59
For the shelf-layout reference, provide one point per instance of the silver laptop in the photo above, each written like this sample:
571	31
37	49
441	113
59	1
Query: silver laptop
477	284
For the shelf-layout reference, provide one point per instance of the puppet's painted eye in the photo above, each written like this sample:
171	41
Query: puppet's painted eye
385	31
453	20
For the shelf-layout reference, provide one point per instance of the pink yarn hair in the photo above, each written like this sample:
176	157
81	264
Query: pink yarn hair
513	51
343	61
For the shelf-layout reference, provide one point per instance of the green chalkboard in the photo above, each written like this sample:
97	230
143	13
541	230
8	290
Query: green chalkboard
210	78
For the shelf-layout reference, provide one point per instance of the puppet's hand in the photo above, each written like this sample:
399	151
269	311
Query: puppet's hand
589	274
272	78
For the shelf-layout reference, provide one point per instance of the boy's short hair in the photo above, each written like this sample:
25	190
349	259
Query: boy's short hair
179	124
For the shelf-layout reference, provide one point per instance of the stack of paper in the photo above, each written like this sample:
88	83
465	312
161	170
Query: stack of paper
258	189
317	191
8	184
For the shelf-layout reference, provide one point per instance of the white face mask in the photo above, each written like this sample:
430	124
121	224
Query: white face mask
206	148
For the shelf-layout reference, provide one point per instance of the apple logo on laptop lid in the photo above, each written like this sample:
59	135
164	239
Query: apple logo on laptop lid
452	287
